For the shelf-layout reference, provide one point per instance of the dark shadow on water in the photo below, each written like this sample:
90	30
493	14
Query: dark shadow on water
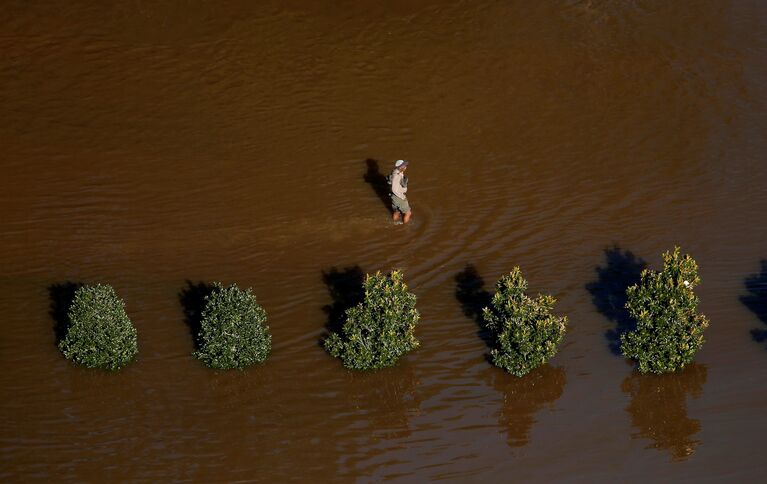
524	397
472	296
346	291
378	182
756	299
658	409
608	292
192	300
62	295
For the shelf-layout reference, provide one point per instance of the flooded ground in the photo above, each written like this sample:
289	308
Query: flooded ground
159	145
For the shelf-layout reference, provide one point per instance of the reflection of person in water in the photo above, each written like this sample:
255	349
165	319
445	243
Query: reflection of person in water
399	202
524	397
658	408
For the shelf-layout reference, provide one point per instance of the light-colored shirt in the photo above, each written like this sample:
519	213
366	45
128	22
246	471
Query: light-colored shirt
396	185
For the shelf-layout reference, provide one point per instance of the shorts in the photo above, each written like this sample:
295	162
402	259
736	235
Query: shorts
399	205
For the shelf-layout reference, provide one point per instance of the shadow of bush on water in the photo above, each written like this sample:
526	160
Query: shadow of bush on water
378	181
346	291
192	300
61	295
473	297
608	293
756	300
658	409
524	397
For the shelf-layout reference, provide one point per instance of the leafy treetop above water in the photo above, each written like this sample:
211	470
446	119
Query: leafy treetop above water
100	334
526	332
233	330
669	330
380	329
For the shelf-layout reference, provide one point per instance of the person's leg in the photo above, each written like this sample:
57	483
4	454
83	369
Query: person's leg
407	217
396	216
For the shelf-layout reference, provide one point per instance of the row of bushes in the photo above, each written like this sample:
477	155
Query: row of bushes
381	328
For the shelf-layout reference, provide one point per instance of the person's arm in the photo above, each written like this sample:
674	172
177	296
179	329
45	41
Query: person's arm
396	186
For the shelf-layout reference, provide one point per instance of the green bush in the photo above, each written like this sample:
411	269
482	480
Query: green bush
100	335
668	329
380	329
526	334
233	330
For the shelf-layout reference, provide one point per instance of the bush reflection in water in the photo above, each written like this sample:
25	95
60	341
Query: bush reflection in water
658	409
524	397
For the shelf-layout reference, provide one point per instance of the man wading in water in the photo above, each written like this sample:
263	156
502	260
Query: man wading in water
398	182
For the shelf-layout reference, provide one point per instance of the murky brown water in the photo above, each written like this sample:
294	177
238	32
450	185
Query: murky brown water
149	144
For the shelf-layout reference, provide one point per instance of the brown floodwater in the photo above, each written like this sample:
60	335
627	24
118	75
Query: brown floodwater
157	145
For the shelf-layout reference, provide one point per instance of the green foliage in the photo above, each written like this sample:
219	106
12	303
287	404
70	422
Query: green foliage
380	329
526	334
233	330
669	330
100	335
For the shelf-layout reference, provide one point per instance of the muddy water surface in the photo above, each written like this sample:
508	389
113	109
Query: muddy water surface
157	145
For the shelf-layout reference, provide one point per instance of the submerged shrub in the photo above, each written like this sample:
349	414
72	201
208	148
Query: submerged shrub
526	334
100	335
380	329
233	330
669	330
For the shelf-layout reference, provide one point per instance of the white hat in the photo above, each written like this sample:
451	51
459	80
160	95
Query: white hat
399	163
